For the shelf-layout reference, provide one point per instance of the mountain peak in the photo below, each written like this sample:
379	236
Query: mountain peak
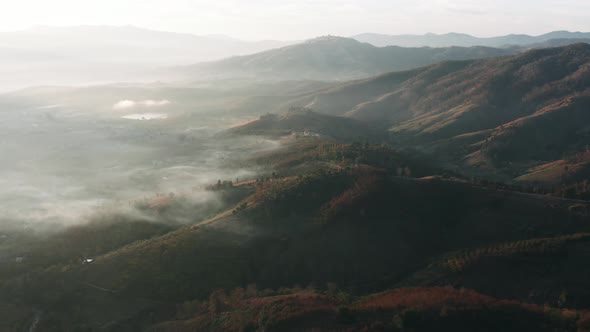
330	38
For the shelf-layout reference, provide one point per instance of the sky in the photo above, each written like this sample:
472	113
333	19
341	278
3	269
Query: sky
301	19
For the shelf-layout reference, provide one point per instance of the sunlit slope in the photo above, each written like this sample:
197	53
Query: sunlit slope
528	108
460	97
332	58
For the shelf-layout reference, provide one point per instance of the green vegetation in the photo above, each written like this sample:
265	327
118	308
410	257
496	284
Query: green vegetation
346	214
389	206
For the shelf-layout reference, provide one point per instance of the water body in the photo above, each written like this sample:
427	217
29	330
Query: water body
146	116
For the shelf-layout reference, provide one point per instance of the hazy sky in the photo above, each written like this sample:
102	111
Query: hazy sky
290	19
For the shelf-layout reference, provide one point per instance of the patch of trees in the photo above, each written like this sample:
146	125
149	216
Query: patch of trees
415	309
338	156
221	185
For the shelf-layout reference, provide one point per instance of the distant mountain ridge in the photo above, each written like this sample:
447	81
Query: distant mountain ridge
465	40
333	58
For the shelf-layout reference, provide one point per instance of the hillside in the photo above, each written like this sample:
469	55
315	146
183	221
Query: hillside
306	123
464	40
527	107
538	270
415	309
332	58
282	246
357	217
556	43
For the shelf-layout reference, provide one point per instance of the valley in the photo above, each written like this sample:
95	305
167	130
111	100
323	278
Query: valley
327	185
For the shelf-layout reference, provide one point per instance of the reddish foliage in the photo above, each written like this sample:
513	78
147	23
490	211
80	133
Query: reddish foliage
362	187
430	298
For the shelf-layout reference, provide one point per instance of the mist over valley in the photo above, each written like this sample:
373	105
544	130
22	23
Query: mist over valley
310	175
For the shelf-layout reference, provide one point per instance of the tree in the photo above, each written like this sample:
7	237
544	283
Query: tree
216	300
407	172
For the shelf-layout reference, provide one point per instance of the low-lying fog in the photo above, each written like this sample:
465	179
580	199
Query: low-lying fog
60	164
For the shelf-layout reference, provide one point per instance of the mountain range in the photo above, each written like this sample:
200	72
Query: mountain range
465	40
336	58
333	58
504	115
102	54
448	191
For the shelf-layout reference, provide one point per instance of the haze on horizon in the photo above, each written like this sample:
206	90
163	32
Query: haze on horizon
294	20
